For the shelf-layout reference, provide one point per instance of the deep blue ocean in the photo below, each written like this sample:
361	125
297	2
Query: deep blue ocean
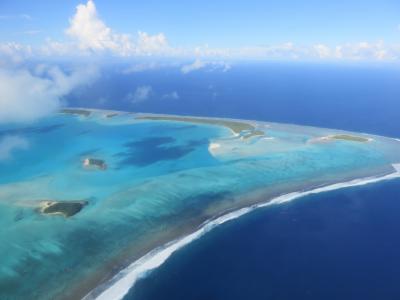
336	245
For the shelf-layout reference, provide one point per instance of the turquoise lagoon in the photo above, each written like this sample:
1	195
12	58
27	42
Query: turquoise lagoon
164	180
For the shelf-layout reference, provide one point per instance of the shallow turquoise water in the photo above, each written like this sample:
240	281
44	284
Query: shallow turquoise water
161	179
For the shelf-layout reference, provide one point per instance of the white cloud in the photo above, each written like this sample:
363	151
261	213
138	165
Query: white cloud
173	95
142	93
362	51
12	53
286	50
212	66
137	68
220	65
152	44
196	65
366	51
92	33
9	144
59	49
150	65
26	96
89	34
323	51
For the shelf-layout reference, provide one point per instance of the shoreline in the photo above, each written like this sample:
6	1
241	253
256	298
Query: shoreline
120	284
95	285
254	123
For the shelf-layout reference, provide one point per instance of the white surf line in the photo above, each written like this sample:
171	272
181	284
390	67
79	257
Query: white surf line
121	283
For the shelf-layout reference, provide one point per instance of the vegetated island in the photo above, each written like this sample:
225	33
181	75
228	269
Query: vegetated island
347	137
94	162
75	111
111	115
236	126
63	208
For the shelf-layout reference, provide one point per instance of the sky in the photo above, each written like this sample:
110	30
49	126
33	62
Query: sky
255	29
38	39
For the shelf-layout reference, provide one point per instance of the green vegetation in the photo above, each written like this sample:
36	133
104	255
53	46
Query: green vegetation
65	208
111	115
94	162
347	137
74	111
235	126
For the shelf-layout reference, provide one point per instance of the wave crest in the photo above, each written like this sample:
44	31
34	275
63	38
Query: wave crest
122	282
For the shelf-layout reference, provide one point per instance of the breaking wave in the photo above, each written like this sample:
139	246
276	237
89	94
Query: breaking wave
122	282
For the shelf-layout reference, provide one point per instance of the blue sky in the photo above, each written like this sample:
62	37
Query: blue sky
218	24
50	48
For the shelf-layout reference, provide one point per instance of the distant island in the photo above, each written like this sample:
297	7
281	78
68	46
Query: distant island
75	111
237	127
347	137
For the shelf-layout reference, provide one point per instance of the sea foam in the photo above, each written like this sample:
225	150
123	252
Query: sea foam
120	284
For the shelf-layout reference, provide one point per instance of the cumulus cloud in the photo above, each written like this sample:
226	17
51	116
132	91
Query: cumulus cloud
196	65
152	44
53	48
322	51
9	144
286	50
13	53
356	51
92	34
89	34
137	68
142	93
289	51
27	95
199	64
173	95
223	66
365	51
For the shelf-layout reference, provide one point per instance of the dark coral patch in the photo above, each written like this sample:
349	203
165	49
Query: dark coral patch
154	149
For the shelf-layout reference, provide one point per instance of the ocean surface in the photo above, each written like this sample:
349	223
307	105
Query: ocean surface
160	181
336	245
350	96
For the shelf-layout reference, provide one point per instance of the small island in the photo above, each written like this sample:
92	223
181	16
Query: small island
94	162
352	138
75	111
111	115
341	137
235	126
63	208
